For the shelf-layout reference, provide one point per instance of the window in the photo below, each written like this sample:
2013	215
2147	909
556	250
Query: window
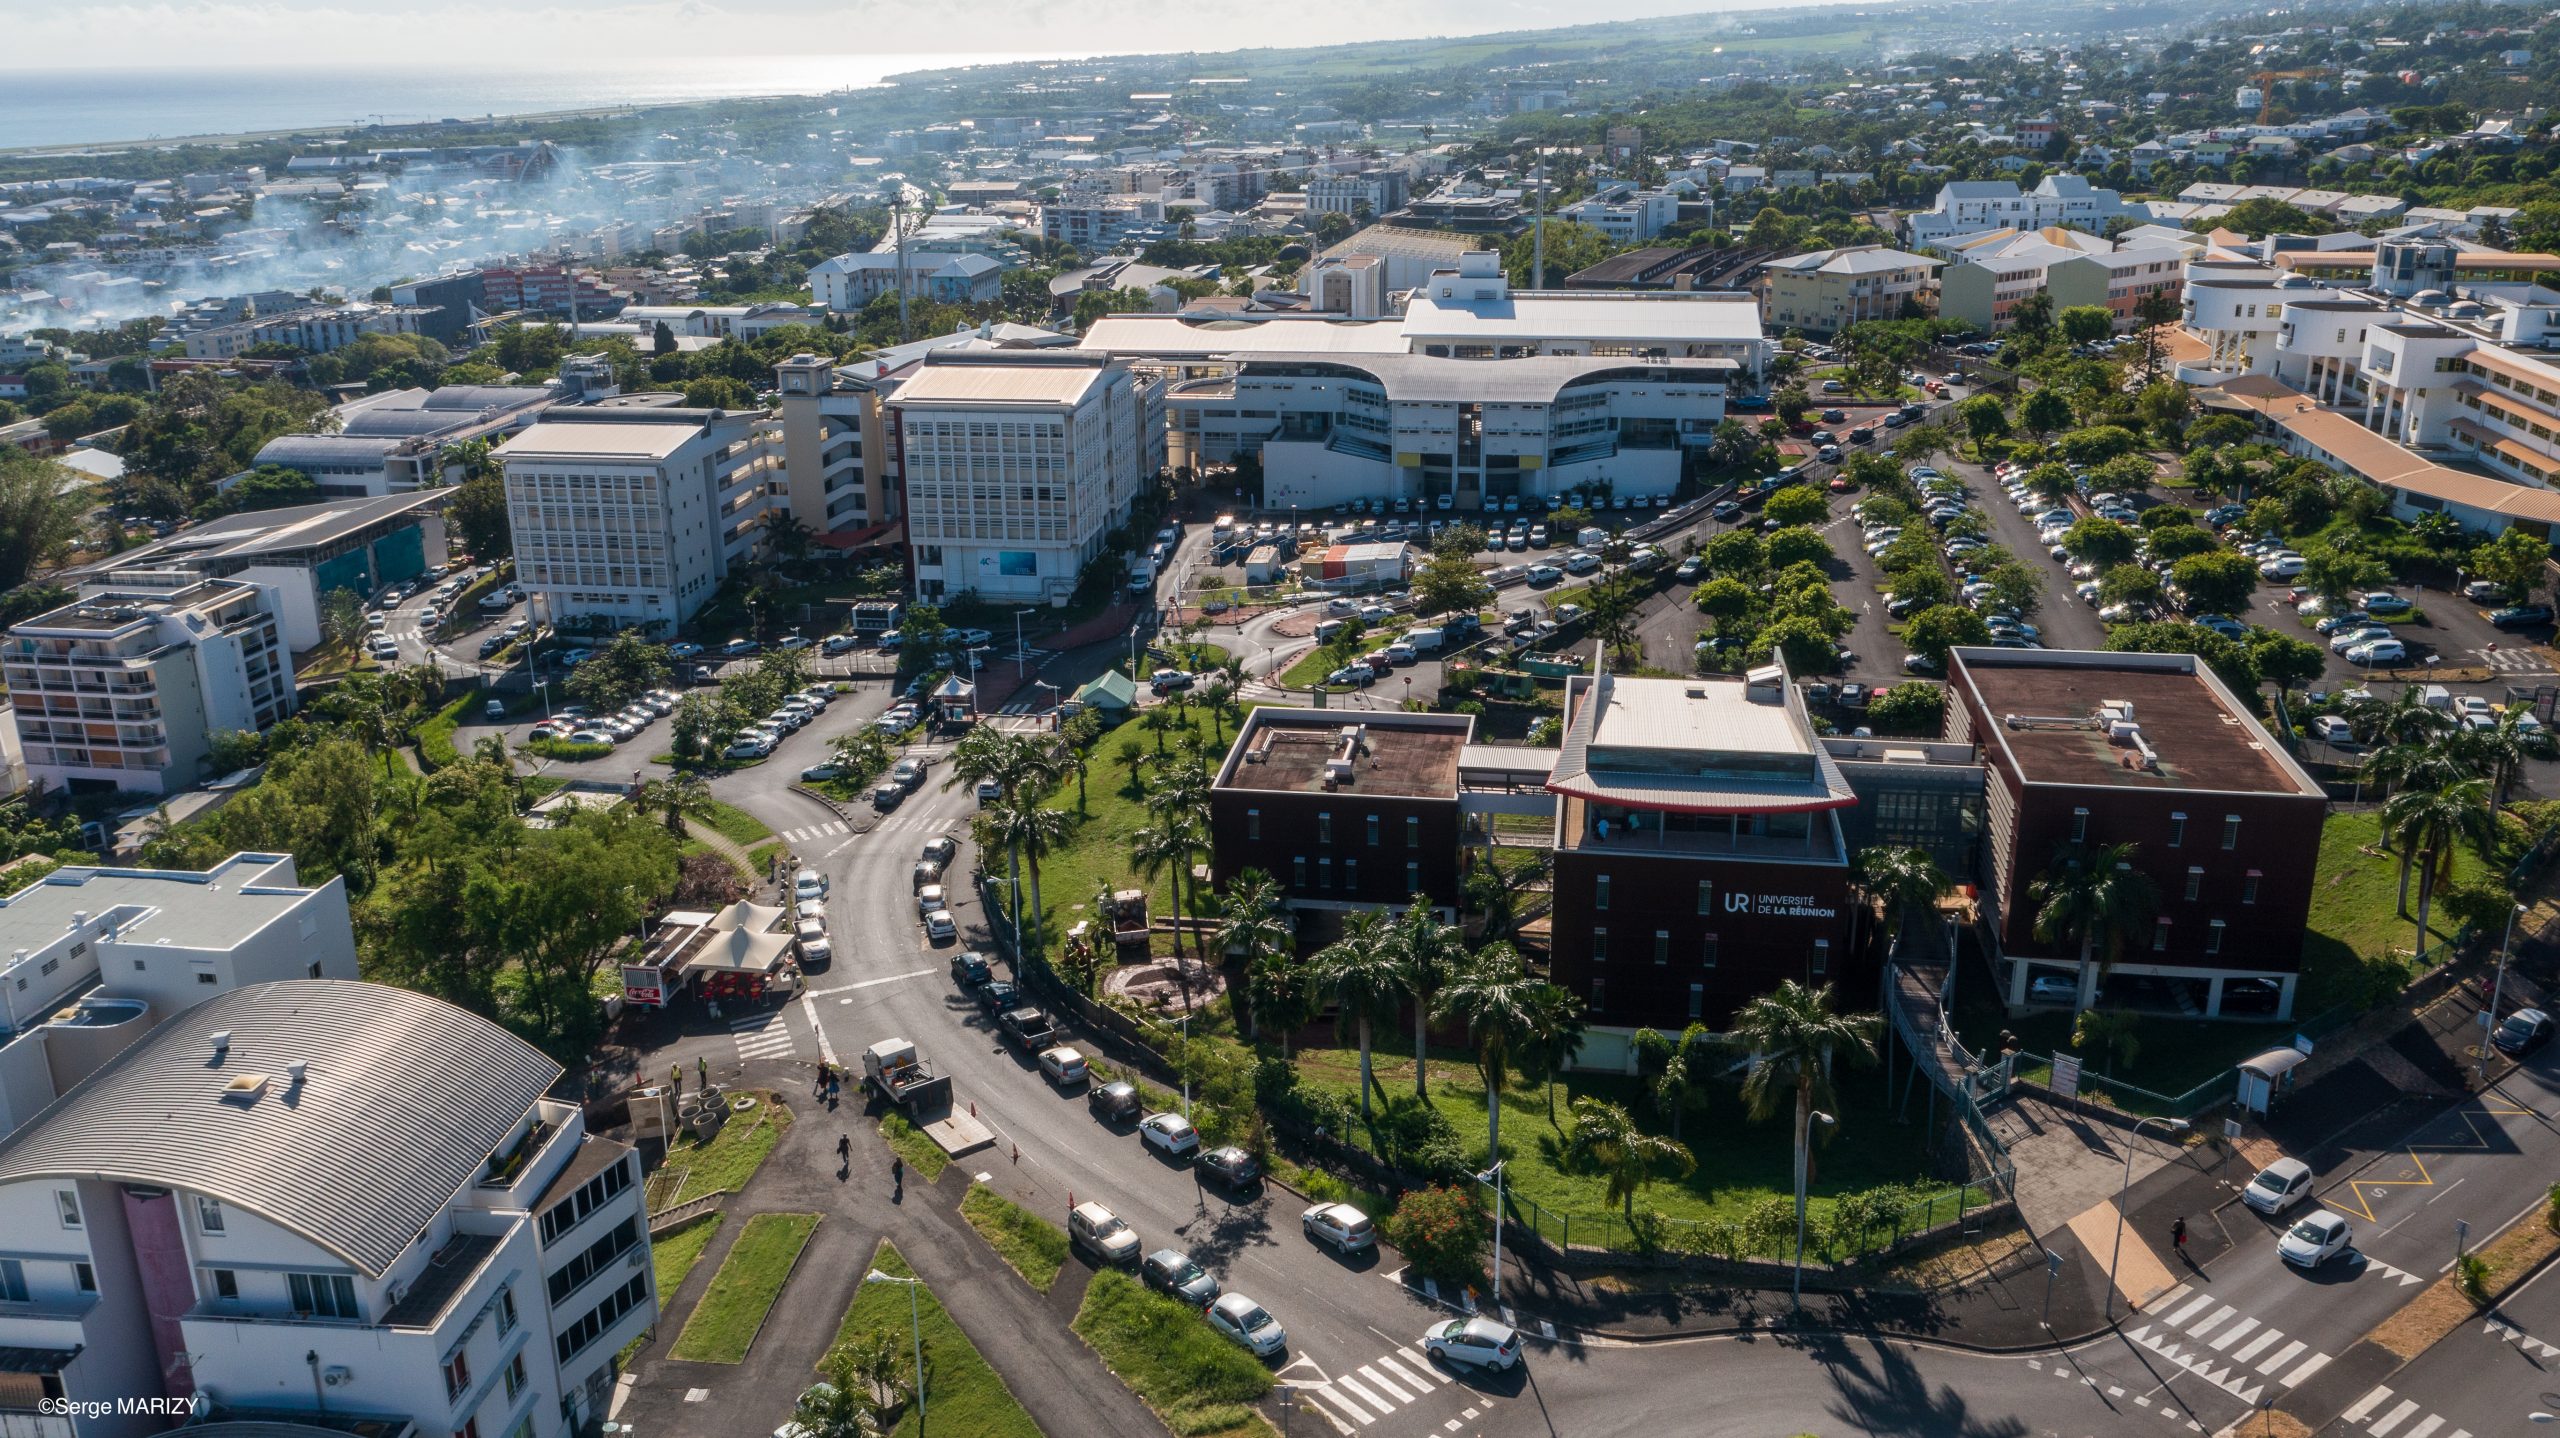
457	1375
13	1280
2177	830
1351	875
1706	897
84	1277
1412	876
569	1212
1253	823
594	1259
1600	893
1820	964
1599	995
2079	826
66	1204
470	1427
516	1378
2195	884
1324	873
506	1311
1298	871
1697	1000
1662	946
2249	888
225	1283
323	1295
2213	937
1708	948
2230	832
575	1338
2159	935
1413	831
208	1213
315	968
1373	831
1324	828
1599	946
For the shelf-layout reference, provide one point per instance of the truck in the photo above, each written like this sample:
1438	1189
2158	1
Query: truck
893	1069
1128	917
1142	576
1028	1027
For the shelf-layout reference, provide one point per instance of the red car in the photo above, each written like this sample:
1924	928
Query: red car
1839	485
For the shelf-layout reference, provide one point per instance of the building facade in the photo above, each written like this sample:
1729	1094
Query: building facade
1344	811
835	447
1826	291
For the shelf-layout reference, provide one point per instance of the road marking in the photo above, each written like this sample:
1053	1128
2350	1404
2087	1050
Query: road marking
2382	1426
2521	1339
2426	1426
2234	1331
2201	1329
2036	1363
1422	1363
1341	1405
1403	1374
2115	1392
867	984
2179	1318
2311	1365
2388	1271
2142	1400
1370	1372
2365	1405
1348	1383
2255	1346
826	1050
2283	1356
2162	1303
764	1036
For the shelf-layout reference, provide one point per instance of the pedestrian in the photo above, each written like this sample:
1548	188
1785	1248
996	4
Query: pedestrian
898	1172
844	1147
675	1077
2178	1235
702	1065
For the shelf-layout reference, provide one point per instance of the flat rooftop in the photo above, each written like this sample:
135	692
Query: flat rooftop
1001	384
2203	739
598	441
1289	751
1706	745
214	909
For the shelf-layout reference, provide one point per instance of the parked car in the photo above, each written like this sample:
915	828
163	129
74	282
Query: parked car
1114	1102
2319	1237
1232	1166
1175	1274
2278	1186
2524	1031
2379	651
1102	1233
1169	1134
2331	729
1063	1065
940	927
1477	1342
1248	1323
2520	616
970	969
1340	1227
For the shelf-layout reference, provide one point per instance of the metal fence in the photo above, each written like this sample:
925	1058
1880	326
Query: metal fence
2135	1099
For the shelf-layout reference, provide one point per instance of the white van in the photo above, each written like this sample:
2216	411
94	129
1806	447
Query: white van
1591	537
2437	696
1424	641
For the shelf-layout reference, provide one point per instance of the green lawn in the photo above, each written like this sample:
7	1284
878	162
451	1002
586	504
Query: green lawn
1098	851
1196	1381
910	1143
1033	1246
962	1394
675	1254
734	1153
737	825
1740	1161
724	1324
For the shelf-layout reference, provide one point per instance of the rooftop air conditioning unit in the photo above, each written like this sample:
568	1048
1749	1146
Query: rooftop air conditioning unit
222	1041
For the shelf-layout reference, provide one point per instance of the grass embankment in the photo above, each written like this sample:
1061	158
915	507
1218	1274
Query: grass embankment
908	1142
736	825
725	1323
732	1156
1031	1245
1196	1381
674	1253
961	1393
1097	852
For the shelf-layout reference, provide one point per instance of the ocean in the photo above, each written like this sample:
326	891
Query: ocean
82	107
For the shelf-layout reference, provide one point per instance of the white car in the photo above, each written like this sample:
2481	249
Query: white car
2330	729
2356	634
812	937
2474	711
1340	1227
939	926
594	736
1477	1342
2278	1186
809	884
2379	651
929	899
1248	1323
2319	1237
1169	1133
2283	566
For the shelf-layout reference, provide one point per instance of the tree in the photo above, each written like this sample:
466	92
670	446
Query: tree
845	1406
1260	935
1026	827
1676	1070
1934	631
2096	901
1367	981
2336	572
622	671
566	902
1724	600
704	723
341	615
2513	561
2085	324
678	797
1606	1137
2108	1033
2215	582
1793	1037
1554	1039
1428	954
41	508
2101	542
1165	850
1902	883
1797	545
1495	997
1797	504
1983	419
2431	824
1450	581
662	339
269	486
478	514
1442	1233
1911	708
2044	412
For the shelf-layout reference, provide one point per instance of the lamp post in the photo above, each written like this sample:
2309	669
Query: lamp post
915	1319
1018	650
1493	1176
1804	1143
2497	989
2173	1125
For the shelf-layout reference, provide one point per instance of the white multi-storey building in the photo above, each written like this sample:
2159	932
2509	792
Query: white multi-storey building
1966	206
320	330
635	514
125	687
835	447
1016	466
1472	312
1376	191
329	1202
1625	214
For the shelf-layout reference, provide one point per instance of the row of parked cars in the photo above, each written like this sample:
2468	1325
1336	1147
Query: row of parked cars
759	739
577	725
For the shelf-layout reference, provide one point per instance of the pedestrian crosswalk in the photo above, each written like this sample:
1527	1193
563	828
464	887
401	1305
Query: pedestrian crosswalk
2506	1333
2521	659
2387	1417
2216	1342
2400	1276
1363	1395
809	832
767	1034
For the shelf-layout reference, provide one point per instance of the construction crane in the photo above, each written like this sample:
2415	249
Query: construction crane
2265	80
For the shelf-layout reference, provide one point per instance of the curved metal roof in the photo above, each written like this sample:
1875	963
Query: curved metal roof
404	1100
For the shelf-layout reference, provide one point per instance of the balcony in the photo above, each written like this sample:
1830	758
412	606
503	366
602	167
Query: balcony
1699	836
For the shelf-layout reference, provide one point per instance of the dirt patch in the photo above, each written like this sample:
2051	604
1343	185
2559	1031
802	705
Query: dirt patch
2273	1423
1958	1266
1297	626
2444	1307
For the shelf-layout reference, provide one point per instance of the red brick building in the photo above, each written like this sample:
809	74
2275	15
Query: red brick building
1347	810
2082	750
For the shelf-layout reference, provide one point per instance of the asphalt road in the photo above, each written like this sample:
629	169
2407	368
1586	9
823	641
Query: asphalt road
2490	1376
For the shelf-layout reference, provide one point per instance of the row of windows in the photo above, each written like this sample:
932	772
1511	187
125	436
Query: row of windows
1350	874
569	1212
13	1279
1372	827
575	1338
597	1257
2177	829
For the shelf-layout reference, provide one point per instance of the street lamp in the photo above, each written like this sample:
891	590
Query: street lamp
1493	1176
1018	650
2498	988
915	1319
2174	1126
1804	1144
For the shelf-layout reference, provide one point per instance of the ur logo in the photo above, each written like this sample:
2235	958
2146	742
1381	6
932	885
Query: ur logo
1737	903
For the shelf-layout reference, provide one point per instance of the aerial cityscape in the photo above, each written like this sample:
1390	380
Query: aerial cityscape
1760	723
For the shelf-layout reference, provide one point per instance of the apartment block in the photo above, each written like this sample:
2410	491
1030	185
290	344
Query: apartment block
835	448
1985	283
634	514
1625	214
124	687
1965	206
1825	291
1374	192
403	1233
318	329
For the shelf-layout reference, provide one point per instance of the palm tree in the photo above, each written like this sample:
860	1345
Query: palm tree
2430	823
1021	767
1605	1136
1131	756
2499	752
1902	882
1793	1036
1553	1040
1367	981
1679	1068
1429	952
1075	745
2409	768
2406	719
1157	719
1494	894
1027	829
2108	1033
2094	899
1165	849
1259	934
1495	997
677	797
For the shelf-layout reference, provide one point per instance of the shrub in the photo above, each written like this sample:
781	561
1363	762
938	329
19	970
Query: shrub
1442	1232
1418	1138
2551	1208
2471	1275
565	749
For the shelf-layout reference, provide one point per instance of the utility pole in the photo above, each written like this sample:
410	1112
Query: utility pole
898	231
1538	236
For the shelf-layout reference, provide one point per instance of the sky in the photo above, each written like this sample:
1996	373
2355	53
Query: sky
266	34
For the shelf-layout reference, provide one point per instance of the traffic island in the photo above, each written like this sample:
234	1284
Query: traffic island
962	1394
1200	1384
732	1311
1029	1244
